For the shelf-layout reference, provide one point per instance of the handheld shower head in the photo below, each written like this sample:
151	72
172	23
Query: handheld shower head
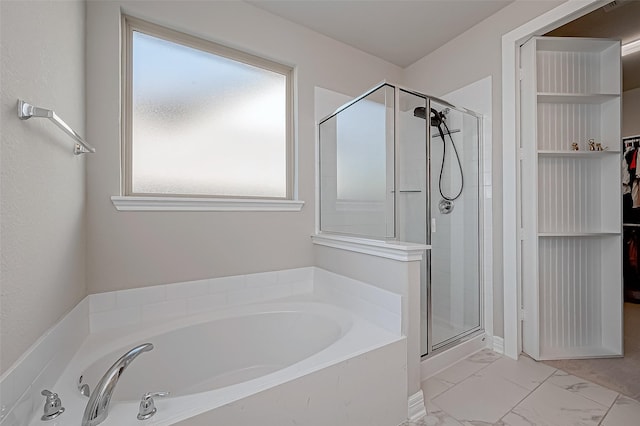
437	118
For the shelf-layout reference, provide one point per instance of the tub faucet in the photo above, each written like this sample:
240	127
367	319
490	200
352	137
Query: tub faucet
98	406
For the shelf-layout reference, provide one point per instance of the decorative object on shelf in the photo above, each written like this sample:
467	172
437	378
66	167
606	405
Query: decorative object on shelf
575	147
592	144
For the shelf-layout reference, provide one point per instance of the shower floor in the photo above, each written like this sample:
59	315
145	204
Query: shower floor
443	330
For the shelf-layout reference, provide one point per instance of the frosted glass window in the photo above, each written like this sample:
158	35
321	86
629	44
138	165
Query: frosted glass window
203	124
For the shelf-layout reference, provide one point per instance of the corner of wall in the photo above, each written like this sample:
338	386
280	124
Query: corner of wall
43	183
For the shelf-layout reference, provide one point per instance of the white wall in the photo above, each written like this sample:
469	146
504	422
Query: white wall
43	191
472	56
133	249
42	183
631	112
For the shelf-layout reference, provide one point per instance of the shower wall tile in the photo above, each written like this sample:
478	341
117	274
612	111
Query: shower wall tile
261	279
372	303
487	178
187	290
245	295
164	310
115	318
141	296
156	303
151	304
277	291
295	275
197	305
488	192
102	302
302	287
223	284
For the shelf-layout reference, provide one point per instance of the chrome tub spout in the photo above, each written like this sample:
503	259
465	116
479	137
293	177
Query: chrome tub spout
98	406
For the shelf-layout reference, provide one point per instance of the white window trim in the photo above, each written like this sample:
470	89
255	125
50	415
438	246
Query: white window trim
185	204
129	201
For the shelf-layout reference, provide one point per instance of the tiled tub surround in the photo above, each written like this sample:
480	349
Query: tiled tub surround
109	316
162	302
40	366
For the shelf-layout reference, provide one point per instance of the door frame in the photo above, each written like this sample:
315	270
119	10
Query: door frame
511	234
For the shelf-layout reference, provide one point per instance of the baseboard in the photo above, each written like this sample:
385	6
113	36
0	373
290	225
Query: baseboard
498	344
417	409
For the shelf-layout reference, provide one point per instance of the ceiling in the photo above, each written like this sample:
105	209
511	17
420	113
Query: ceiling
404	31
618	21
398	31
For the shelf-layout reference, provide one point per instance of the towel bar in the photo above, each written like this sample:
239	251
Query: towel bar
26	111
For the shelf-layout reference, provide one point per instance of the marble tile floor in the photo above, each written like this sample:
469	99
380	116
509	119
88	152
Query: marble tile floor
619	374
489	389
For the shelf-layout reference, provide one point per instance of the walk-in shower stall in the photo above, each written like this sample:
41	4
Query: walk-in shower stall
399	165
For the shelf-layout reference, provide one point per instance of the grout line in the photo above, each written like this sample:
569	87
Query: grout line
589	382
500	356
469	376
608	410
529	394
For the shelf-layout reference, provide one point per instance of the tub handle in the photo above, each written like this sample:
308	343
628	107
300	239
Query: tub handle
147	406
52	406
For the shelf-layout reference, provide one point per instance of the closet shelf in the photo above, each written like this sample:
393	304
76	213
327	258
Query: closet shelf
577	234
575	98
568	153
571	201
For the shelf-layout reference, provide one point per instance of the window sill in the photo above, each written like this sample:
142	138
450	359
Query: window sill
172	204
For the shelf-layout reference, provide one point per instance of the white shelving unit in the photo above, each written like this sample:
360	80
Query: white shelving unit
571	218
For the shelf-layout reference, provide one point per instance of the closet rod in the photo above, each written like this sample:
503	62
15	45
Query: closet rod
26	111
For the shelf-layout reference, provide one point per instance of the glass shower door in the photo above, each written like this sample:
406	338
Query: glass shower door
413	190
438	204
455	286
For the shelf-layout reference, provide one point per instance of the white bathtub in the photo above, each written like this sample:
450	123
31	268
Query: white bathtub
260	361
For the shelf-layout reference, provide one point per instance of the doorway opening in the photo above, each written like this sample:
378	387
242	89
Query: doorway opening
563	18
